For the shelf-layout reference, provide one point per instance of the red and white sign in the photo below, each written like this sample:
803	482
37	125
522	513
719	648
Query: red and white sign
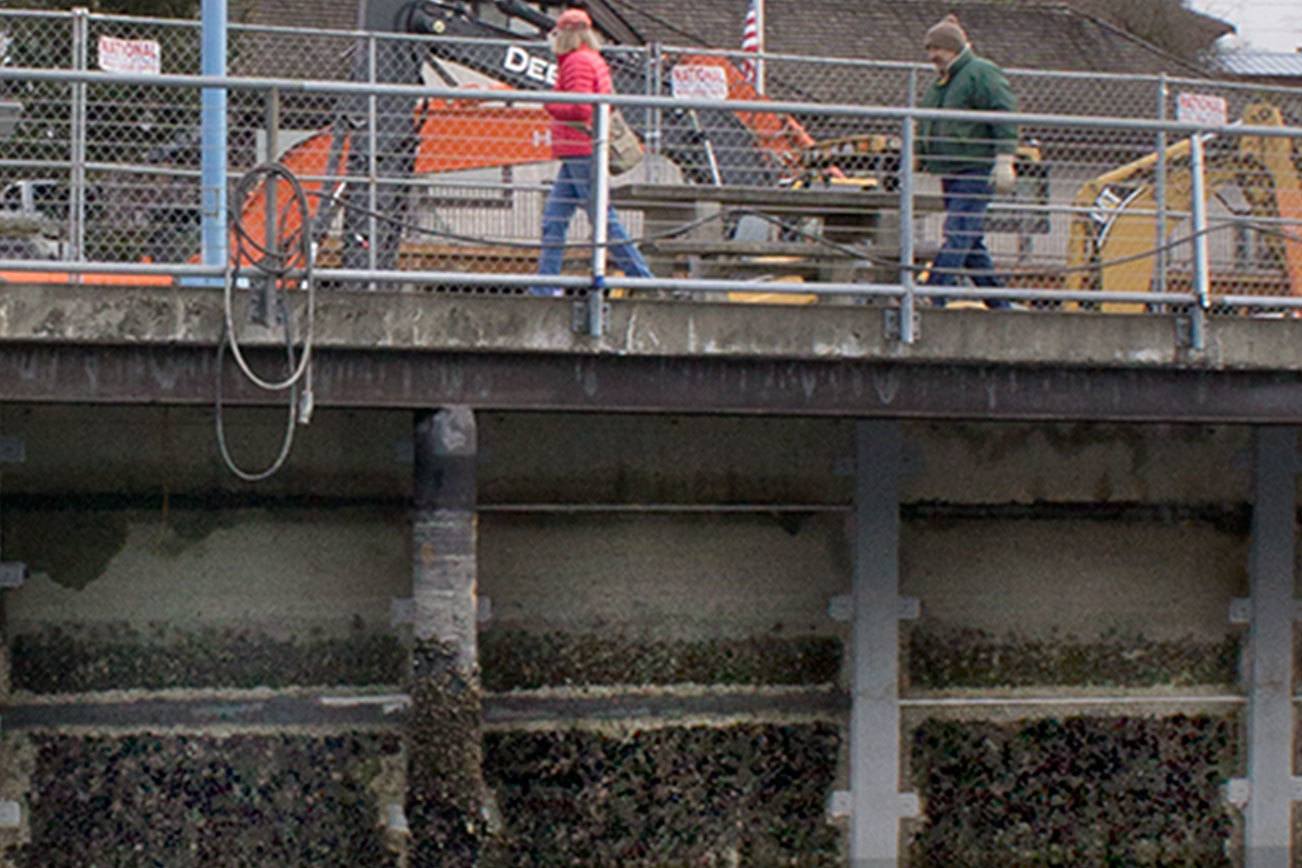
698	81
1202	108
143	56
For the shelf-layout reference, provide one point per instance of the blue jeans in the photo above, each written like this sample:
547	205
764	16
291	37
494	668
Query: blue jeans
967	196
573	188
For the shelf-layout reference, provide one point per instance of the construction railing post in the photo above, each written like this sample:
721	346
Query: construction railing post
76	250
372	155
213	125
600	205
876	803
1159	190
907	149
1202	268
446	792
653	61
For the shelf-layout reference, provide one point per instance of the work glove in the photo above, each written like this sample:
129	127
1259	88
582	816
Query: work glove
1004	177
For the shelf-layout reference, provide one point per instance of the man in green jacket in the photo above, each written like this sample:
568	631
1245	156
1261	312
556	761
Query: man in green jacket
965	154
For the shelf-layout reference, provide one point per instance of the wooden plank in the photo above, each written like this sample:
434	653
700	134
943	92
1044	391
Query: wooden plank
688	247
812	200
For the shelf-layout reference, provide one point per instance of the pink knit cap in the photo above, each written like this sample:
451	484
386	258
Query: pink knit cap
573	19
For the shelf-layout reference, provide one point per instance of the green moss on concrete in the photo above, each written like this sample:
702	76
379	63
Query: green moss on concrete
740	795
518	660
1082	791
445	779
74	659
191	802
943	658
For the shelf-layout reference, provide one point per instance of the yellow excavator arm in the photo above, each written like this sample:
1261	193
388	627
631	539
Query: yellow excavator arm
1114	223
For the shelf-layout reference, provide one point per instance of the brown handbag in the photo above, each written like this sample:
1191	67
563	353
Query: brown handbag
625	147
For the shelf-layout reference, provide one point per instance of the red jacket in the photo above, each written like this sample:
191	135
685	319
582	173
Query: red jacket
581	71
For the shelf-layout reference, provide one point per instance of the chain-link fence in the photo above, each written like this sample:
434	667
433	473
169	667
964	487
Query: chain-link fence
112	169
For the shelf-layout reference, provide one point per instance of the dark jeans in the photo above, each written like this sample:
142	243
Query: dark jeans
967	197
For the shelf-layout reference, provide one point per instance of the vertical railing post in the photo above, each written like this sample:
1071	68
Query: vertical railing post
373	144
1202	276
907	152
655	117
1159	190
76	248
212	151
600	206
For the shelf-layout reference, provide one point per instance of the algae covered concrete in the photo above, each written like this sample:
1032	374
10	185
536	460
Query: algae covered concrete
1088	578
664	576
713	533
127	516
253	568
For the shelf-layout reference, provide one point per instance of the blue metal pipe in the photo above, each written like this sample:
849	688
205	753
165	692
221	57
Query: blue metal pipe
213	134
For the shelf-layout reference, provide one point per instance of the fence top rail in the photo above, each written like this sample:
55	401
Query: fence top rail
36	13
417	92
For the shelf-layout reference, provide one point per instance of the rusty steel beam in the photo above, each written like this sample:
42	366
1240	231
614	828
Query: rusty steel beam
84	373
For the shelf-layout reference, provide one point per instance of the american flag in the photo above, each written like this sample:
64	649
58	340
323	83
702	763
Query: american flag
750	41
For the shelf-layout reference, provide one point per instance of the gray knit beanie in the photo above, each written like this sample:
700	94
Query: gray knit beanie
947	34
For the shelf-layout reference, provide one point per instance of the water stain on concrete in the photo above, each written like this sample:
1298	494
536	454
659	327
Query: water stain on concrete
73	547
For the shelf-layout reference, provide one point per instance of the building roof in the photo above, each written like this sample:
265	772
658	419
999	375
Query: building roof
1261	64
1043	35
1047	35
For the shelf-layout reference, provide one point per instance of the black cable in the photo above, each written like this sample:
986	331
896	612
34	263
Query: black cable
523	245
275	266
858	253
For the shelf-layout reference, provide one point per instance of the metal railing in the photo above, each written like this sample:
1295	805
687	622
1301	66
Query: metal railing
120	155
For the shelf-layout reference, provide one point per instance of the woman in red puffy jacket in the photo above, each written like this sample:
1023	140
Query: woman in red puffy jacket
581	70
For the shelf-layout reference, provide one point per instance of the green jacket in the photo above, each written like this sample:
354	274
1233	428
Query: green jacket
971	83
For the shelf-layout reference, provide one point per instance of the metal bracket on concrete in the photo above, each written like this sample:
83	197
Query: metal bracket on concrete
1183	332
1191	331
13	450
1236	792
891	324
581	317
12	574
841	608
1241	610
840	805
11	814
